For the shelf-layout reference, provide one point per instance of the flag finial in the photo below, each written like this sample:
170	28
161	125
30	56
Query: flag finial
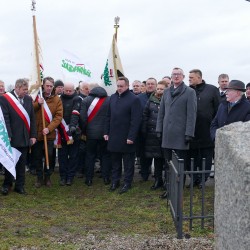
33	5
116	26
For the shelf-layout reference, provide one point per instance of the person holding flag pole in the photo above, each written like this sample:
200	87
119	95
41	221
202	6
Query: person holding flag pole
48	111
19	117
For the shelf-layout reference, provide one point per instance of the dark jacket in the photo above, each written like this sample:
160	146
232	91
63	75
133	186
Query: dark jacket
123	121
208	100
71	112
95	128
152	146
239	112
16	128
143	97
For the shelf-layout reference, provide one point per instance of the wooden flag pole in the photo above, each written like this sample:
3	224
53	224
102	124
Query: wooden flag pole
40	84
116	26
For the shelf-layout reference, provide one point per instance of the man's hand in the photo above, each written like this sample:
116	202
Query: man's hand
106	137
188	139
129	141
40	100
45	131
72	130
32	141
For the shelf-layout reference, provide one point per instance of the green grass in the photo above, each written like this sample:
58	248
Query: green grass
57	217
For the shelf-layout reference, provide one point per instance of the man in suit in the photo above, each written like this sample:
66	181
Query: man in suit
223	81
123	122
17	106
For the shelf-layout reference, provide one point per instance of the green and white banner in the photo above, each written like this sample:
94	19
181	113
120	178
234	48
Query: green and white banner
74	69
112	70
9	156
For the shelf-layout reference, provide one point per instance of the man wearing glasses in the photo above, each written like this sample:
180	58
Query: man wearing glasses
177	117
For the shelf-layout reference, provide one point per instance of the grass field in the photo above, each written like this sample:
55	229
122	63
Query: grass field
58	217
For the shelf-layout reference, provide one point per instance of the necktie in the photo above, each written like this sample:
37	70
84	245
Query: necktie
20	100
222	93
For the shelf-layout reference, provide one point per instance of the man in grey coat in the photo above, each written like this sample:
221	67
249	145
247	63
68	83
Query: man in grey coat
177	117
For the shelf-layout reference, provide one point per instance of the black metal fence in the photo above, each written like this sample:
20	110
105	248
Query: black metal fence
176	176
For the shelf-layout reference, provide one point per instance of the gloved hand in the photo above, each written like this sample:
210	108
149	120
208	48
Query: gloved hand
188	139
72	130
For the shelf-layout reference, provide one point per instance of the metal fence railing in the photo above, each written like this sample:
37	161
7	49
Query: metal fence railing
176	176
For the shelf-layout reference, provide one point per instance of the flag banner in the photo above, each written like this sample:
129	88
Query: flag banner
34	82
113	69
73	69
9	156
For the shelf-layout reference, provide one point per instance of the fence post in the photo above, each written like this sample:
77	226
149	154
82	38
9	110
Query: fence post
180	198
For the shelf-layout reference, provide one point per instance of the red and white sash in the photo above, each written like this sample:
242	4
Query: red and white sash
94	107
18	107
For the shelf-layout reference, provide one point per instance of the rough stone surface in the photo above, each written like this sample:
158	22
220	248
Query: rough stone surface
232	187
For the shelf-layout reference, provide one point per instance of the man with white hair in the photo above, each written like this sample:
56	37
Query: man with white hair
236	107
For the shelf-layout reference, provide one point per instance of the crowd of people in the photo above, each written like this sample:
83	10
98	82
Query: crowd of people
142	125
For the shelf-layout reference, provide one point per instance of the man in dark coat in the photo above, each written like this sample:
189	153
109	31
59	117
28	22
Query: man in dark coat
92	119
236	108
70	135
144	161
123	122
22	134
248	91
208	100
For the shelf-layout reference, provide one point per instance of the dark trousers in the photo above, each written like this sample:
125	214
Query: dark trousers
38	155
128	163
81	157
92	147
181	154
68	160
145	166
158	164
198	155
20	171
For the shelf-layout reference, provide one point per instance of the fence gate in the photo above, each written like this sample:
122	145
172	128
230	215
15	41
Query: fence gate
175	188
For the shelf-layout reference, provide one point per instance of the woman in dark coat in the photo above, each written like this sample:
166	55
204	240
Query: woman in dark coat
152	142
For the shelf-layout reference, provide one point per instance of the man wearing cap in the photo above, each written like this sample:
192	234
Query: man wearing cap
248	91
58	86
236	107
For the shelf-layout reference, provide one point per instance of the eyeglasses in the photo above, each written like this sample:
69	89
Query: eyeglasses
176	74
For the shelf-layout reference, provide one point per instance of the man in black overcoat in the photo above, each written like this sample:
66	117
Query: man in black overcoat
122	126
202	146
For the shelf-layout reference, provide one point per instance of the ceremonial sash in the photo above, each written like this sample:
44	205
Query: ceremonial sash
94	107
21	111
64	128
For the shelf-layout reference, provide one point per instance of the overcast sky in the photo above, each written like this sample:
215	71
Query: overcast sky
154	36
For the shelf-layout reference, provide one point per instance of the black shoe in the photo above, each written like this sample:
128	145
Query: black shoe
62	182
114	186
20	190
157	184
106	181
125	189
88	183
69	182
164	195
5	191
